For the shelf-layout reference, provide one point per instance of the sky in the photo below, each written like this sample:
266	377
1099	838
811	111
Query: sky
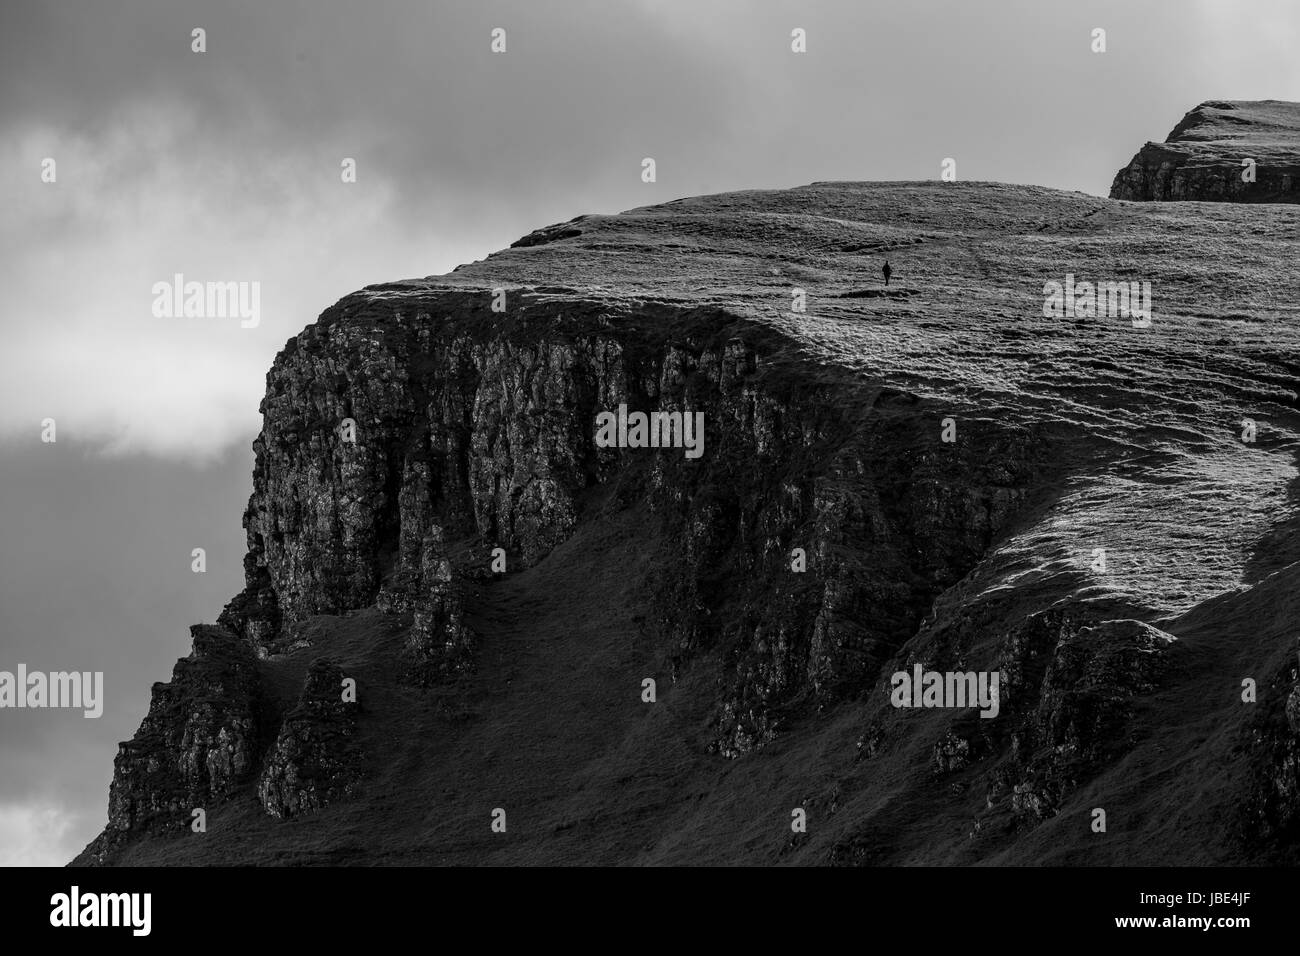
225	165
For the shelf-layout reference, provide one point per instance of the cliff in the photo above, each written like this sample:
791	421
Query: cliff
1202	158
920	474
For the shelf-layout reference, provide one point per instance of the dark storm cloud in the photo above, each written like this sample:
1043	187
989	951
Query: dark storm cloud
409	89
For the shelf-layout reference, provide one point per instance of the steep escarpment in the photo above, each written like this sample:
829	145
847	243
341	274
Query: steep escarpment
1221	151
199	741
651	654
388	432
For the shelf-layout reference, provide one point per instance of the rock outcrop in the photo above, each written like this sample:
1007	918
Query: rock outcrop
197	744
313	760
941	476
1205	157
440	646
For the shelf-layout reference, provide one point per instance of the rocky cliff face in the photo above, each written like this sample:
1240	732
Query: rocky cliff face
469	426
933	473
313	761
1204	157
198	743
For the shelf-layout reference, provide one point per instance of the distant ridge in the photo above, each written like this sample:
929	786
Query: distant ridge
1203	157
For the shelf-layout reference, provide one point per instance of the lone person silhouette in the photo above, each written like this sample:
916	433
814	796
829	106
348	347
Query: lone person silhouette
887	271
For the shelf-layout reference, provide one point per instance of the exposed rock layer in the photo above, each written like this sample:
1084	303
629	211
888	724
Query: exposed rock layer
1203	158
197	744
313	760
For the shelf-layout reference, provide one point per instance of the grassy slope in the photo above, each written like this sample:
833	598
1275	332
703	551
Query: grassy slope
552	729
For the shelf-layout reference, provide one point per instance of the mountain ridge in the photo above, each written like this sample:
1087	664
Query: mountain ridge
1204	156
375	559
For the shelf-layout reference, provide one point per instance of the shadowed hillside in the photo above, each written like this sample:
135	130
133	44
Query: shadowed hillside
1102	511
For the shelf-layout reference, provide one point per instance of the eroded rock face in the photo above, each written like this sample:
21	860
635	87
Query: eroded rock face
1080	717
452	436
205	721
887	525
1070	679
439	646
1202	159
314	759
196	745
455	438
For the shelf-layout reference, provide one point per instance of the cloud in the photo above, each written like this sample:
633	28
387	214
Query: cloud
225	166
36	834
134	204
